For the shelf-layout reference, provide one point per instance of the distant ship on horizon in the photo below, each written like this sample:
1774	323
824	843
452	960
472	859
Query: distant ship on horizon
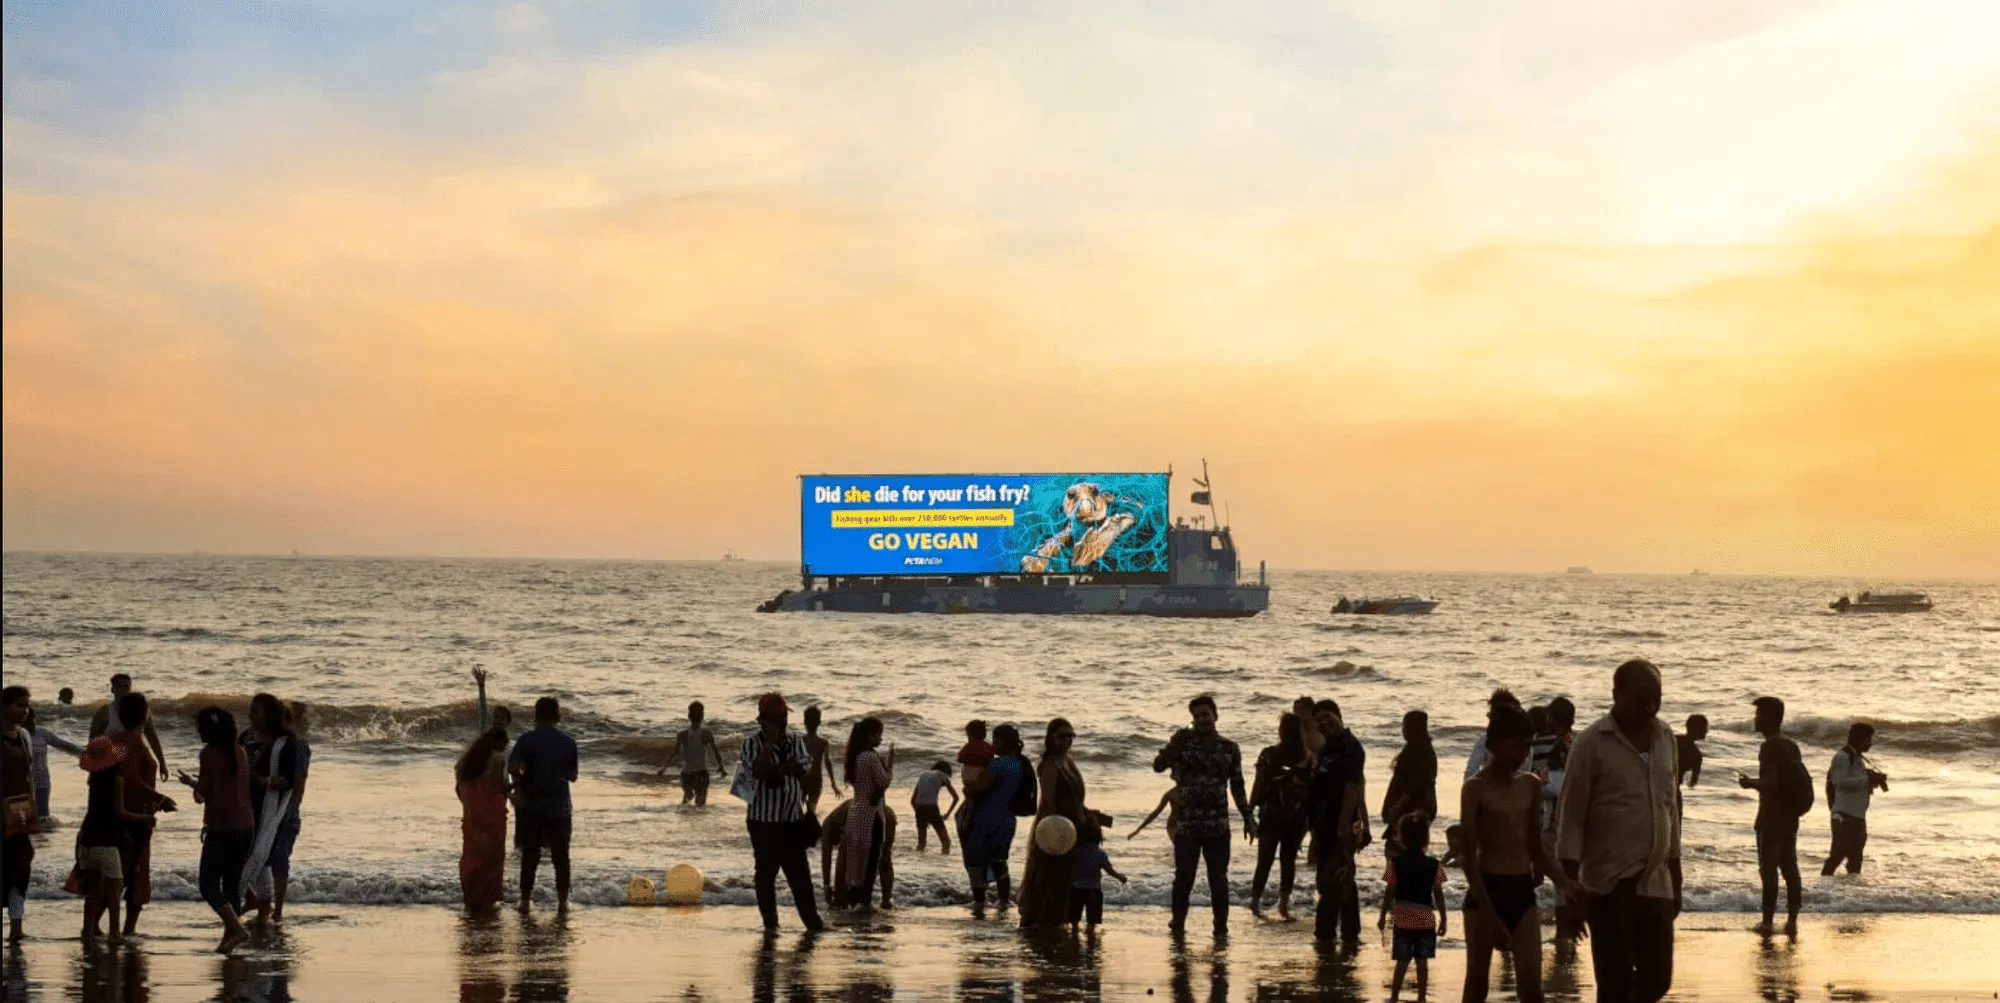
1578	569
729	557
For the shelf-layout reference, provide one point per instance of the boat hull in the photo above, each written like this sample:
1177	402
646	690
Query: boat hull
1055	599
1393	607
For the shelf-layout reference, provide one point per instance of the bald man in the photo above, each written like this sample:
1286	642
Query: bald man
1619	839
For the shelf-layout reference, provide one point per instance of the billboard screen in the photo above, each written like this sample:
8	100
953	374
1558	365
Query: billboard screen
984	524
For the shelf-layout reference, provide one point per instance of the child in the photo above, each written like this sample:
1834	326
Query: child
98	837
1690	753
1454	847
1414	886
39	740
1090	864
820	751
1504	859
1170	802
924	802
977	753
694	744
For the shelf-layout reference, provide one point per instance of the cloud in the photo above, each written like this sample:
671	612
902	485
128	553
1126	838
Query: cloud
609	306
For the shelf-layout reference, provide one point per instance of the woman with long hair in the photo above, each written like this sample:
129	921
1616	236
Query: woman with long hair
482	790
223	791
869	775
1284	774
274	777
1045	884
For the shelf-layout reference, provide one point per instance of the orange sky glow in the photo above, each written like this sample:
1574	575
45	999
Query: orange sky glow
1644	303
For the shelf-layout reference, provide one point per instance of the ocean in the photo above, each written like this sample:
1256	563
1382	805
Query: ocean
382	651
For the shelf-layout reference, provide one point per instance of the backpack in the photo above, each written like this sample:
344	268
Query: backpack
1026	798
1799	786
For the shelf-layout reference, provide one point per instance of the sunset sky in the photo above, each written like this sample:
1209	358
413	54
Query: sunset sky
1432	284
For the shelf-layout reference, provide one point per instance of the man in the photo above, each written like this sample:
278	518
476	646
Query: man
1850	781
1476	761
1619	839
694	745
769	767
1210	769
1781	785
106	722
1334	802
543	765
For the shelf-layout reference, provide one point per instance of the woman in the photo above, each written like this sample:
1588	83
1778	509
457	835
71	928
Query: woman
1045	884
17	788
986	839
274	775
99	867
223	791
482	790
41	738
1284	772
868	775
142	776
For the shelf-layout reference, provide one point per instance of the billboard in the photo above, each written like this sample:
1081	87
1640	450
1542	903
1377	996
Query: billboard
983	524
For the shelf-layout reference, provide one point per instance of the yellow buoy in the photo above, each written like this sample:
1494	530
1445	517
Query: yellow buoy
639	891
684	883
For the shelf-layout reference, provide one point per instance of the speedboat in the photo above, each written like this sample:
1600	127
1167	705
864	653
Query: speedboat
1883	602
1398	605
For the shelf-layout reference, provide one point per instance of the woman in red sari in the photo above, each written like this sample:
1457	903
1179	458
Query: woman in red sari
482	789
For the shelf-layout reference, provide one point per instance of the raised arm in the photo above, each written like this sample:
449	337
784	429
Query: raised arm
60	742
485	719
1170	756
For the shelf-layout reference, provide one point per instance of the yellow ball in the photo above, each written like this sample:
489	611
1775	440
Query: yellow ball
1056	835
639	891
684	885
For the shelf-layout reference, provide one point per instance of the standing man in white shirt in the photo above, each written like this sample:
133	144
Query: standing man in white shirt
1619	839
1850	781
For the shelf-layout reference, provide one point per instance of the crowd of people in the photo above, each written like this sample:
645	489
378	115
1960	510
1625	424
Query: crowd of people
1596	811
249	782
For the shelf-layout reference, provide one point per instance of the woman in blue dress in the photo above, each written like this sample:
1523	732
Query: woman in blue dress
987	839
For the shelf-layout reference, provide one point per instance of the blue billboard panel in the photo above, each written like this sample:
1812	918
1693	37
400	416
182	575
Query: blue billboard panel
984	524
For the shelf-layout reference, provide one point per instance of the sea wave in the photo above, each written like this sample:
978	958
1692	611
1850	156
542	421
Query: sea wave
1947	735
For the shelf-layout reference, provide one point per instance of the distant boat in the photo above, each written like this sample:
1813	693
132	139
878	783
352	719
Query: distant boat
1883	602
1395	606
1578	569
1698	573
729	556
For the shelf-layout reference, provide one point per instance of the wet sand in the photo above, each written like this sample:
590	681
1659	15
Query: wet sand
354	953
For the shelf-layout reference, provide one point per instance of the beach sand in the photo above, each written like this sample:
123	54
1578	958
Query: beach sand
355	953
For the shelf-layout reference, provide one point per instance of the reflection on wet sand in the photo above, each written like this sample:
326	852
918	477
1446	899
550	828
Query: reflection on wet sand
771	968
1061	967
1212	989
1559	972
107	972
540	949
1778	970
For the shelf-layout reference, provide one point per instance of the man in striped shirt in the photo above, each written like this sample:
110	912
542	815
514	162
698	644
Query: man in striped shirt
773	762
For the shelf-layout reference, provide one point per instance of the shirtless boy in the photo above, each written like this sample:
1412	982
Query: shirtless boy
821	752
1504	859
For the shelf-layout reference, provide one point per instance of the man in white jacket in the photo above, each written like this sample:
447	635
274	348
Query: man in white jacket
1849	783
